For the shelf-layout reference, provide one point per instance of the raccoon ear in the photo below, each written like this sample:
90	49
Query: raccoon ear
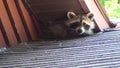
90	16
70	15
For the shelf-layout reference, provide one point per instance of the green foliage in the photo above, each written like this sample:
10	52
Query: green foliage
103	2
112	7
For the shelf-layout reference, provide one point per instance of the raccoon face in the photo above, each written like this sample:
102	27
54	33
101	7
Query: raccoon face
88	24
81	24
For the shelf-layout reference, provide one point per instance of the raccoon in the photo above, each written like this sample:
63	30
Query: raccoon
80	24
74	25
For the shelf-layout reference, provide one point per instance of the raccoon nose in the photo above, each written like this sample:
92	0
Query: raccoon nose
79	31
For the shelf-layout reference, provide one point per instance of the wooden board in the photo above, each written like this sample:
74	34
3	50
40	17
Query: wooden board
29	23
2	38
16	17
97	51
16	24
7	25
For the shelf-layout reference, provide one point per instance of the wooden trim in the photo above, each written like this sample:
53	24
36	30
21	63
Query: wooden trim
4	42
38	25
29	23
7	24
16	24
103	12
23	19
17	21
11	20
84	6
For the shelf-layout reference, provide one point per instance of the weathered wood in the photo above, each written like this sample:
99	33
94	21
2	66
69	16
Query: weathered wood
97	51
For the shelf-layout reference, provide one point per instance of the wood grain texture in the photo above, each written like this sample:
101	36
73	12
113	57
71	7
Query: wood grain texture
103	12
16	25
17	20
2	38
7	24
29	23
98	51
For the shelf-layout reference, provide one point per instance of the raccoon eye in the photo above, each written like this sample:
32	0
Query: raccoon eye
86	26
84	23
74	25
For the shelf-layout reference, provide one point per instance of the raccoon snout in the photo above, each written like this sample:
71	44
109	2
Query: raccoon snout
79	31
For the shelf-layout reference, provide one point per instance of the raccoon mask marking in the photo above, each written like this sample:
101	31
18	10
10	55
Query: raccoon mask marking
81	24
75	25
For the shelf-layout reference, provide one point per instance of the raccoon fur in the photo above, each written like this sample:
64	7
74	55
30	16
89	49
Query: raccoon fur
75	25
81	24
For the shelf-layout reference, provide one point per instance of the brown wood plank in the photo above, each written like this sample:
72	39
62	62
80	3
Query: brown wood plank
38	25
29	23
23	20
7	25
11	20
84	6
18	23
3	33
103	12
2	40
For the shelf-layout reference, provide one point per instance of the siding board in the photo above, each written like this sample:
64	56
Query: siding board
29	23
11	20
7	24
2	38
19	26
16	25
22	19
